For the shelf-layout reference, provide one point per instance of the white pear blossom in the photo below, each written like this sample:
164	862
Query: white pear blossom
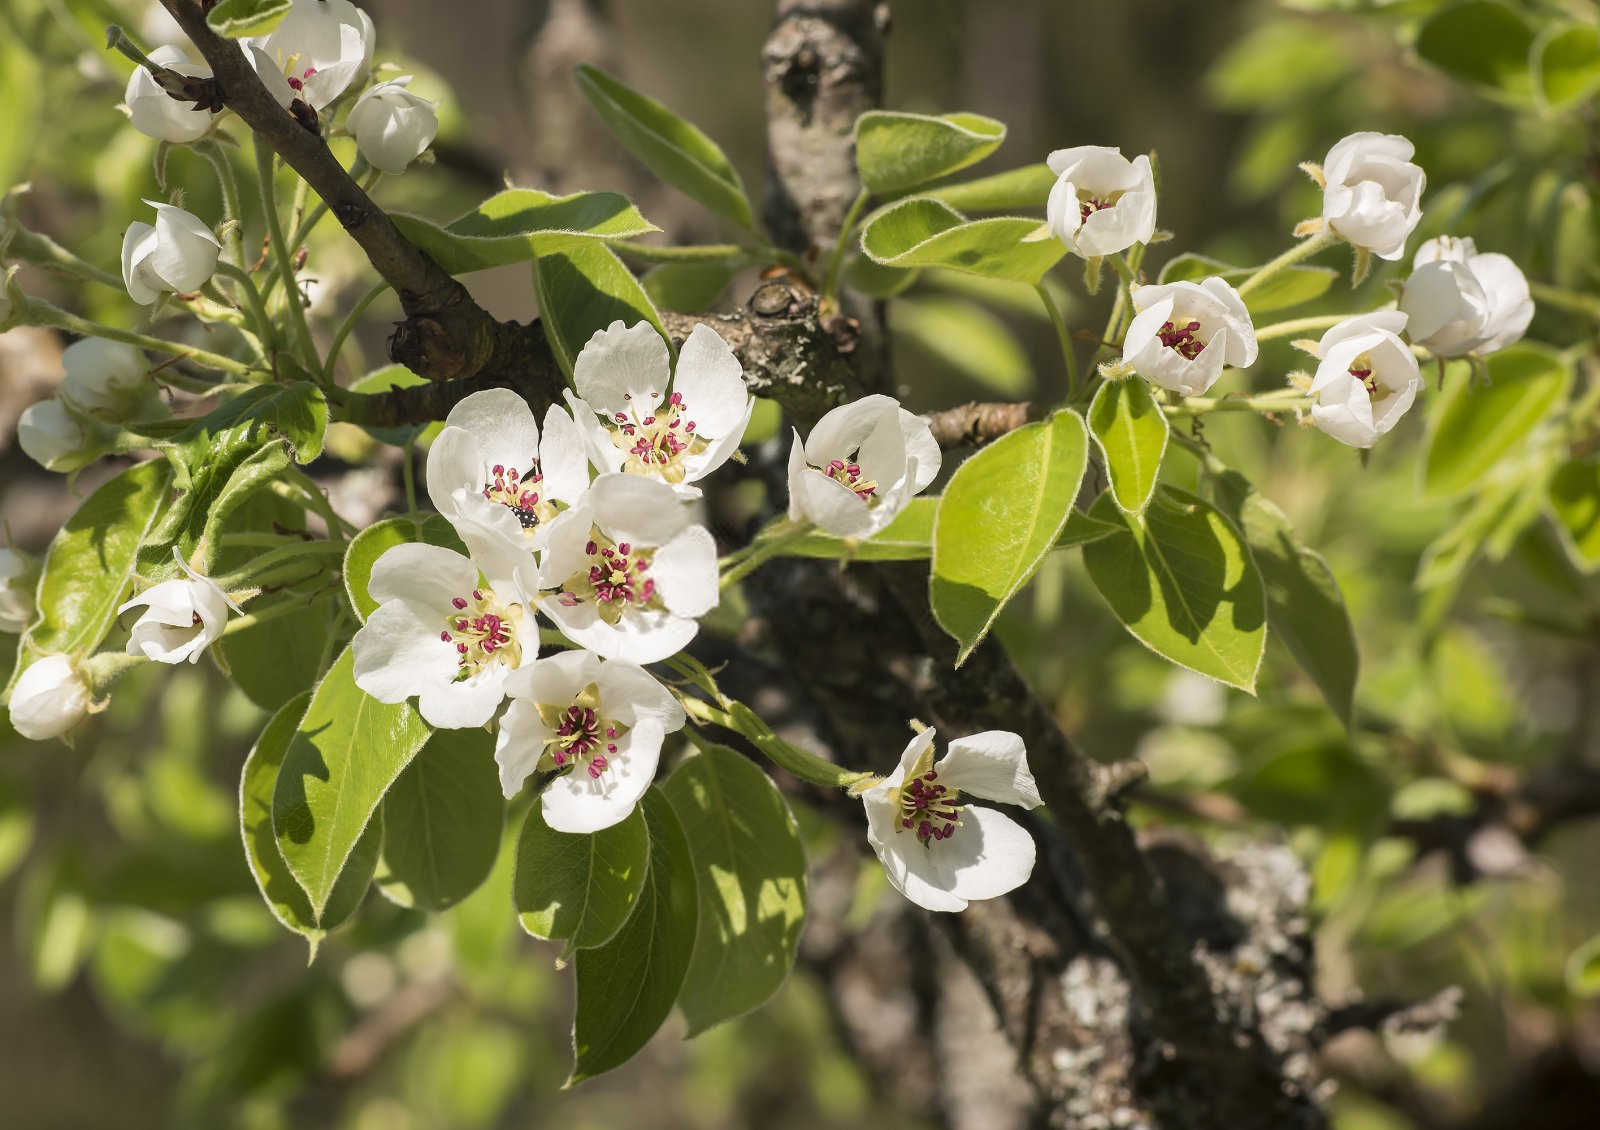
862	463
442	633
939	851
316	52
1102	202
181	619
1372	192
627	571
635	425
1185	332
599	723
1366	379
107	378
1460	300
49	698
177	253
391	125
18	572
155	113
49	435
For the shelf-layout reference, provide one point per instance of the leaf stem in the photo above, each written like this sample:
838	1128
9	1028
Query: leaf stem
1063	336
1302	250
265	331
1563	299
830	276
42	313
691	253
348	326
769	543
1300	325
283	255
1279	400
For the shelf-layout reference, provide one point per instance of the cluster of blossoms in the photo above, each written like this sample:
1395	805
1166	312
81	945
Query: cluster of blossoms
1456	302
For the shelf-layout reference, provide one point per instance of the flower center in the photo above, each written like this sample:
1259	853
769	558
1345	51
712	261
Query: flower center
582	736
1362	370
658	443
298	84
519	493
929	810
1183	339
1089	203
849	474
483	630
616	578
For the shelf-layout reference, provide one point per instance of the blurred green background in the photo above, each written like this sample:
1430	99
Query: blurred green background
142	982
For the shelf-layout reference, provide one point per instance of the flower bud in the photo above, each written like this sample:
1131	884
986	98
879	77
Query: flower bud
1460	301
18	574
1102	202
392	126
49	698
49	435
105	377
179	253
157	114
1372	193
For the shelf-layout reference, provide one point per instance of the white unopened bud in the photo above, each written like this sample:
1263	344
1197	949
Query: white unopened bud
1373	192
1461	301
104	377
50	698
392	126
177	253
157	114
50	436
18	572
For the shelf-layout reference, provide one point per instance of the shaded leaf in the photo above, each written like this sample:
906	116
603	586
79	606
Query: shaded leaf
519	224
581	291
896	151
922	232
442	819
1131	432
1475	426
579	888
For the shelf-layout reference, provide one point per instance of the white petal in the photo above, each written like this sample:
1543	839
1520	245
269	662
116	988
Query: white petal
138	243
556	679
563	458
461	705
711	383
577	802
605	455
503	425
639	637
685	571
623	369
635	509
519	743
430	575
841	431
993	764
186	250
398	652
911	867
563	553
915	749
697	467
829	504
1510	304
454	464
1063	212
988	855
921	449
631	694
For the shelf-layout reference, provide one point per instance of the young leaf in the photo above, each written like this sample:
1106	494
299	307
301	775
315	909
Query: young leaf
922	232
751	872
1017	190
1473	427
1567	64
1480	41
1575	500
90	563
277	885
627	987
581	291
380	537
1292	286
576	888
1182	581
896	151
1131	432
518	224
296	413
238	18
687	287
1305	608
669	147
1001	513
348	750
441	822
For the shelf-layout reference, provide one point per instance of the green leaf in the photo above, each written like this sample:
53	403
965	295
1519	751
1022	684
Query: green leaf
277	659
579	888
371	543
1305	608
1322	784
583	290
751	871
627	987
348	750
1583	969
442	819
1001	513
1181	580
90	563
277	885
1278	64
1293	286
669	147
236	19
1567	64
896	151
519	224
296	413
1131	432
861	273
1575	499
1481	42
1473	427
387	378
688	288
969	339
1016	190
922	232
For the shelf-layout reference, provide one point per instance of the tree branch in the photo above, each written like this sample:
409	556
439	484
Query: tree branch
974	424
446	334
